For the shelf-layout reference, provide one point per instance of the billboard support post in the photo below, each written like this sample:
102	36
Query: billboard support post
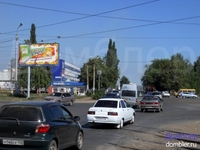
28	87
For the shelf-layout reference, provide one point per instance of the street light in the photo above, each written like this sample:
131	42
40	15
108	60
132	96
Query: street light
16	51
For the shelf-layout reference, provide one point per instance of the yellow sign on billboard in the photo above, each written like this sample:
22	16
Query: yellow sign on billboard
38	54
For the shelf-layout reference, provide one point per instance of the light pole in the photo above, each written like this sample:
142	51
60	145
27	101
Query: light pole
99	72
16	51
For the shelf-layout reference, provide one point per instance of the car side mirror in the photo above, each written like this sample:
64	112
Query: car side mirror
76	118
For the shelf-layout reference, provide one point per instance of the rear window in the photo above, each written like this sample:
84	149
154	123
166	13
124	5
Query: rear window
150	98
156	93
22	113
128	93
106	103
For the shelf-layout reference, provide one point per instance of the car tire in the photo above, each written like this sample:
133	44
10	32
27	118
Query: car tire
79	141
70	103
53	145
132	119
162	108
142	110
159	109
120	125
91	125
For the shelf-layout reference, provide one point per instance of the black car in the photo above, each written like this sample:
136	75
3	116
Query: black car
38	125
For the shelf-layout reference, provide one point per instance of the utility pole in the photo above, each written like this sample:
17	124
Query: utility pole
87	77
93	77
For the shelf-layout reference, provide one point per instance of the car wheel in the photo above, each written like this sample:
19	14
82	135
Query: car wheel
162	108
142	110
120	125
91	124
71	103
79	141
132	119
53	145
159	109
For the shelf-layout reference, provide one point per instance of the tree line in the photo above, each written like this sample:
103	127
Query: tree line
172	74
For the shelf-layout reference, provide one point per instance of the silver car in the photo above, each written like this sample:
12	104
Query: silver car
64	98
151	102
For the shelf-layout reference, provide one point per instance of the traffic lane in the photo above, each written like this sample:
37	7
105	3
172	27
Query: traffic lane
175	111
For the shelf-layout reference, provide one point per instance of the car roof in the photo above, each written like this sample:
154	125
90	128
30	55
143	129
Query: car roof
31	103
113	99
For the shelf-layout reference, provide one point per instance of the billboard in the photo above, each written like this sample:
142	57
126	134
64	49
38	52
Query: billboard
38	54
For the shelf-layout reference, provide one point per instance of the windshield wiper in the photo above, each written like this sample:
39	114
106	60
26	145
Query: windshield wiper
11	118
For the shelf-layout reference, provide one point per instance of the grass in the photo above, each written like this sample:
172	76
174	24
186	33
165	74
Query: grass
6	95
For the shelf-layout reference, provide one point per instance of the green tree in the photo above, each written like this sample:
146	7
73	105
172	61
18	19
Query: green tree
124	80
112	62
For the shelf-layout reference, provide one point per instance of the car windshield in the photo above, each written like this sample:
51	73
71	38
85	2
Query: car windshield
56	94
106	103
67	94
128	93
22	113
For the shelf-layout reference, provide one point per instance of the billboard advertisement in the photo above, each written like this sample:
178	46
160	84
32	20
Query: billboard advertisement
43	54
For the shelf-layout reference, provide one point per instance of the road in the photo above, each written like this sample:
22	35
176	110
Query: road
148	131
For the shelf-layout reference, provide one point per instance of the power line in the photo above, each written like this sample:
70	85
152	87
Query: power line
88	16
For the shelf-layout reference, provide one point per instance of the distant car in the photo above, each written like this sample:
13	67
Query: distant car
187	95
156	93
151	102
110	111
63	98
165	94
118	92
111	95
39	125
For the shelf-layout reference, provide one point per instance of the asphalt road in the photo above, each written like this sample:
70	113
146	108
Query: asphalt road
146	133
147	124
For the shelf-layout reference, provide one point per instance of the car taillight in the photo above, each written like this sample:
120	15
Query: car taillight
142	103
155	102
43	128
136	100
91	112
113	113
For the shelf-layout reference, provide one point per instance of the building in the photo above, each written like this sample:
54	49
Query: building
65	78
66	72
5	79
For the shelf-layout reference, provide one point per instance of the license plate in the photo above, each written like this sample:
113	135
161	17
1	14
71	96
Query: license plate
100	118
13	142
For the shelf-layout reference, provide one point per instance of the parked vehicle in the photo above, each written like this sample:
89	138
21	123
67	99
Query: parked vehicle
187	95
110	111
39	125
165	94
151	102
63	98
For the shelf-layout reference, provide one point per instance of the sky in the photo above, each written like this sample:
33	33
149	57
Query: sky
143	30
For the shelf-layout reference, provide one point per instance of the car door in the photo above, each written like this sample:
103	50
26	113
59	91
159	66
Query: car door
125	111
59	125
73	128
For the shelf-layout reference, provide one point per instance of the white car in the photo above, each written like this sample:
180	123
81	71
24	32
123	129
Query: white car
110	111
165	94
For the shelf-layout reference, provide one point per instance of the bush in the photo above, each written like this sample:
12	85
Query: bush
98	94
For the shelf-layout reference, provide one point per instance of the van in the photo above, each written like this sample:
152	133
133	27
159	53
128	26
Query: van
129	94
